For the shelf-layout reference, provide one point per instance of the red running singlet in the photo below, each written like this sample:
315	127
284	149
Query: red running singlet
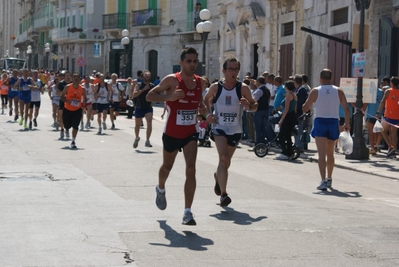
182	114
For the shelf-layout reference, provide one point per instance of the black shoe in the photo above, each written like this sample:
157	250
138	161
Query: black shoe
16	117
30	125
34	122
225	200
216	188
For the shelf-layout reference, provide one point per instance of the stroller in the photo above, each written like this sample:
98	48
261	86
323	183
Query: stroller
204	130
262	149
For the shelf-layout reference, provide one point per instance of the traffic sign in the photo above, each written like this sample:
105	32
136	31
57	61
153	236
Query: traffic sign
55	57
81	61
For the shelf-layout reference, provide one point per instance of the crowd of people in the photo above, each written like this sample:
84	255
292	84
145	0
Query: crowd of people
234	111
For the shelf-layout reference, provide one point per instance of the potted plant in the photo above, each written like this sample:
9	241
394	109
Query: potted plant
95	30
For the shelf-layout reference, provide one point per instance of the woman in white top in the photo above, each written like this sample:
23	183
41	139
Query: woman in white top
55	101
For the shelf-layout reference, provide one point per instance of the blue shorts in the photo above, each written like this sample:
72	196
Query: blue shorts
140	113
326	127
391	121
25	97
12	94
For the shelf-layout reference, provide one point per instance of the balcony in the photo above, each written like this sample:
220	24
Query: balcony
22	38
60	35
85	36
185	26
147	20
44	23
78	3
114	23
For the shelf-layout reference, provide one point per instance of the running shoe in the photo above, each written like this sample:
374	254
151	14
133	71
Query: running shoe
372	151
323	185
16	117
282	157
217	187
21	121
67	133
391	152
329	182
99	130
160	200
30	125
57	126
188	219
104	126
26	127
136	142
2	112
62	134
34	122
113	126
225	200
73	145
10	113
81	126
148	144
87	125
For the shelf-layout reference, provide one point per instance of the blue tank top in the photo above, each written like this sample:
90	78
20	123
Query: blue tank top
292	105
11	84
23	86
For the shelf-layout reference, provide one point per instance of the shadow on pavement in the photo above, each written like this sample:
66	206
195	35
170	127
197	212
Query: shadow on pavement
236	217
145	152
337	193
189	240
72	149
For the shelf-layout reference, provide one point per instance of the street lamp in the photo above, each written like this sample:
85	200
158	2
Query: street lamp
360	150
47	50
29	52
7	53
125	42
17	52
204	28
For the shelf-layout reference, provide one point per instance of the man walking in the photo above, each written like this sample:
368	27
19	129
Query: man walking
326	99
182	92
143	108
228	97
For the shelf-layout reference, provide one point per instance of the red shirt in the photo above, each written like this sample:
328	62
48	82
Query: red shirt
182	113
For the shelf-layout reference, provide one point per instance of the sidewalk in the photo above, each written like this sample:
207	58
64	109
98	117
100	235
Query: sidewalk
377	164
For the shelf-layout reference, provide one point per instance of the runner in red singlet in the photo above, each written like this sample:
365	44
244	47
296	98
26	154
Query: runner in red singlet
183	95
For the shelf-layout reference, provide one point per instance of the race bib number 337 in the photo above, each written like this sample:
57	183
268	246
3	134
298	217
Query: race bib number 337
186	117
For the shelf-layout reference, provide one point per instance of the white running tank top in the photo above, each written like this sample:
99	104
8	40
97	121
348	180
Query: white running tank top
115	92
103	95
56	98
228	112
89	93
327	103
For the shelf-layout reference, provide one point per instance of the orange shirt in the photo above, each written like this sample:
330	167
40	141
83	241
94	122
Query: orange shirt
392	104
3	88
75	96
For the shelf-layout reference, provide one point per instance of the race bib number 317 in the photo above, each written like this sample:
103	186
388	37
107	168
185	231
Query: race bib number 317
186	117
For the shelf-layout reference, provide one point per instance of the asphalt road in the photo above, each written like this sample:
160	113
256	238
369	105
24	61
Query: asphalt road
94	206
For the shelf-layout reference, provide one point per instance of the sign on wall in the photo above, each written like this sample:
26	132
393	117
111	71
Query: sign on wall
97	50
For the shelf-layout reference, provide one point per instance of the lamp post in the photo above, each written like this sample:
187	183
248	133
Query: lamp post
7	53
204	28
360	150
29	52
17	52
47	50
125	42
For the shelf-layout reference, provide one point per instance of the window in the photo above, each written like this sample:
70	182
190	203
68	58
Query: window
340	16
287	29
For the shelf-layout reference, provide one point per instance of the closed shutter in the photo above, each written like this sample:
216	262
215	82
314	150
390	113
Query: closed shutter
338	58
286	61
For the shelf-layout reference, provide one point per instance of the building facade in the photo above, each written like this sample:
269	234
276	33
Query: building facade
282	37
